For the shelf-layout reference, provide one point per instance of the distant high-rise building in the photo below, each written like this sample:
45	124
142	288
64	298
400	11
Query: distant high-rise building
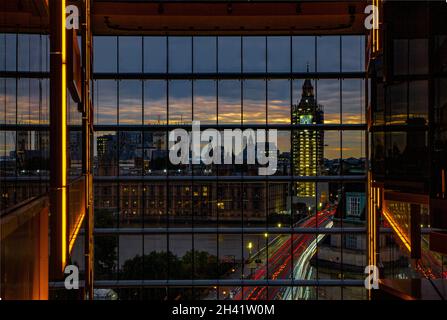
307	145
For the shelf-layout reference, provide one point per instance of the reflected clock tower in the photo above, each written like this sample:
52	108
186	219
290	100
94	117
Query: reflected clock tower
307	144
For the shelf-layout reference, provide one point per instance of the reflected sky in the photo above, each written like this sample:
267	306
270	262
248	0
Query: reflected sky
224	101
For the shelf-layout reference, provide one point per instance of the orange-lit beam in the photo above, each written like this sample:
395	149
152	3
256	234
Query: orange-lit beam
64	136
76	231
395	226
58	139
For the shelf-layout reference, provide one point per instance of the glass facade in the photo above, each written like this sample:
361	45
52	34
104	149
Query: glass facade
143	203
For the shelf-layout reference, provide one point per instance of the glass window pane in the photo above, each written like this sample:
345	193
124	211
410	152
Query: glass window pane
353	152
306	108
418	100
180	101
418	58
180	51
155	102
106	204
9	90
155	152
105	153
29	105
303	54
181	248
105	54
328	96
74	153
155	257
205	101
7	150
353	48
229	54
396	104
45	53
106	107
155	56
130	154
8	57
278	54
353	101
400	56
130	255
279	104
254	54
205	54
284	152
130	52
332	152
29	52
130	102
328	54
106	257
229	108
254	106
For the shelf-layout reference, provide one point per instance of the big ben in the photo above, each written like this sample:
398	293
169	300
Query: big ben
307	144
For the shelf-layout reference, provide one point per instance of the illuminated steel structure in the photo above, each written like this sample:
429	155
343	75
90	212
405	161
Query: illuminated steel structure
307	145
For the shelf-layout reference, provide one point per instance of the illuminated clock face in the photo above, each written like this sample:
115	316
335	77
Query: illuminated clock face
306	119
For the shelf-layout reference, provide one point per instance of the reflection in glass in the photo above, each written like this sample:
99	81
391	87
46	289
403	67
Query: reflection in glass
418	100
328	62
155	54
105	54
155	153
205	101
278	54
328	95
229	54
180	101
353	104
8	57
29	50
155	102
180	51
353	48
229	108
105	154
130	214
130	102
106	105
254	59
29	104
204	54
303	53
278	101
353	152
332	152
254	103
130	52
130	153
